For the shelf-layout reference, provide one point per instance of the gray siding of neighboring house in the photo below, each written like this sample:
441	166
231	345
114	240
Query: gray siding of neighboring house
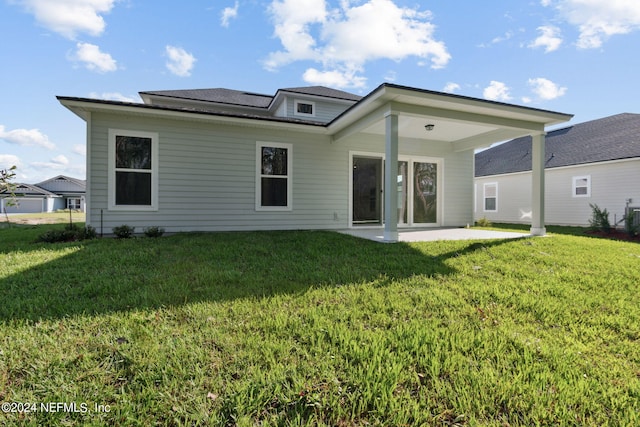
25	205
612	183
207	177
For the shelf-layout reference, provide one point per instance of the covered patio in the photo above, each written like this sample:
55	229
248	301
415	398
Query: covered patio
434	234
461	124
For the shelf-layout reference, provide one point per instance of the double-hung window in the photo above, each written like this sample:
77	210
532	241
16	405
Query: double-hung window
491	197
273	176
582	186
133	170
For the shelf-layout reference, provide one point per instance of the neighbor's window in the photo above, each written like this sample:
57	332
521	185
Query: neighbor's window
582	186
133	160
74	203
273	176
304	108
491	197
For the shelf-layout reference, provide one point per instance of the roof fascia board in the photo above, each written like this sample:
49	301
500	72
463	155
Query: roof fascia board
466	117
81	107
546	116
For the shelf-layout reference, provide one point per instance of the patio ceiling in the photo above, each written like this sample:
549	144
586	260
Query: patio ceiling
466	123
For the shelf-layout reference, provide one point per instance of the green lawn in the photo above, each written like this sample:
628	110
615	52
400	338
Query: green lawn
318	328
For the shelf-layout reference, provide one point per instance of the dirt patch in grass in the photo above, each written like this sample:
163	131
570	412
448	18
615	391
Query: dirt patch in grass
38	219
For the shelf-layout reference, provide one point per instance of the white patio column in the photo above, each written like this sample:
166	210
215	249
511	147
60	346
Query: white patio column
391	178
537	193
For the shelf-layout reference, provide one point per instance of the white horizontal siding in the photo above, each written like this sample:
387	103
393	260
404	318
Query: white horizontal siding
612	183
207	177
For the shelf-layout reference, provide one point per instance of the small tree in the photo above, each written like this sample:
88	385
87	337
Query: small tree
6	186
599	219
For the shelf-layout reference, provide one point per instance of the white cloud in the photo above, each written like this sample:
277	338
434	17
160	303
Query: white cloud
545	89
229	13
344	39
80	149
70	17
114	96
549	38
451	87
391	76
94	59
8	160
26	138
180	61
497	91
334	78
597	20
57	163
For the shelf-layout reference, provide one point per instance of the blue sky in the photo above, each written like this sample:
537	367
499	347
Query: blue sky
572	56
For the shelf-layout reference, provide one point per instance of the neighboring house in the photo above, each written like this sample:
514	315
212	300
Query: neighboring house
596	162
304	158
60	192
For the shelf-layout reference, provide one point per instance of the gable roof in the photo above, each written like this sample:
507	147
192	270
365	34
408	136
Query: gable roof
63	184
611	138
21	189
465	122
248	99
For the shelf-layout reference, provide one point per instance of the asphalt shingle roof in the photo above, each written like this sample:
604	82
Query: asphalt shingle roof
610	138
249	99
218	95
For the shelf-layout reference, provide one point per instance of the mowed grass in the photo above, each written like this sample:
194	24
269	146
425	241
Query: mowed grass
318	328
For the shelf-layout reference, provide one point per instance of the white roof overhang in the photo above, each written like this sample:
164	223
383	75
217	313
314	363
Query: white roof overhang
465	123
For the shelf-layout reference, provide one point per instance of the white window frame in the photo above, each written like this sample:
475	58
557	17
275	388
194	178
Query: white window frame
112	170
484	196
75	199
575	186
296	102
288	176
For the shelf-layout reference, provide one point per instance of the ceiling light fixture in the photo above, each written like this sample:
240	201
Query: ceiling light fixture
429	127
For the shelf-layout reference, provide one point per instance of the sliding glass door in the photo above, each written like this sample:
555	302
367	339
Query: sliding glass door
425	193
367	191
416	184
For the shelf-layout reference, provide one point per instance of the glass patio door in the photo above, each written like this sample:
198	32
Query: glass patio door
425	193
416	184
367	191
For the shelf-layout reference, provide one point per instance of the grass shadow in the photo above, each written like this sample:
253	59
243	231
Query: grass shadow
111	275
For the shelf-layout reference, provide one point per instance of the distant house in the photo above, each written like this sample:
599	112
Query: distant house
595	162
304	158
60	192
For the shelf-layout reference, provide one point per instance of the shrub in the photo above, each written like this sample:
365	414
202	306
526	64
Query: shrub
70	233
630	227
599	219
56	236
87	233
123	231
483	222
153	231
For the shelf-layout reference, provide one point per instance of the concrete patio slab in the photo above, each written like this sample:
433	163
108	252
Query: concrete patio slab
433	234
